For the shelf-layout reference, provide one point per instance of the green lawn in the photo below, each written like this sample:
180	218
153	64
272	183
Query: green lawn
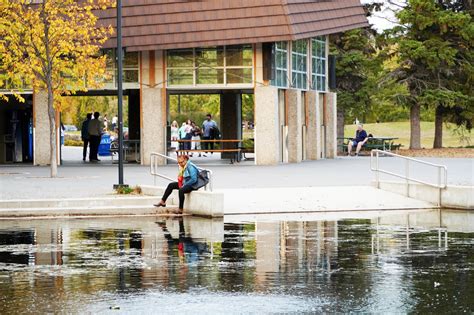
402	131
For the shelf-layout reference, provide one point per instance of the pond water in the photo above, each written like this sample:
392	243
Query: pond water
421	262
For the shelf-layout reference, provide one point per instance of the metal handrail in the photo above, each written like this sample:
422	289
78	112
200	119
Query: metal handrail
154	158
441	184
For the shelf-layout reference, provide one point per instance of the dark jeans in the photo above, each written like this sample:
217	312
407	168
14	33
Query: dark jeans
93	147
84	150
183	190
207	145
187	144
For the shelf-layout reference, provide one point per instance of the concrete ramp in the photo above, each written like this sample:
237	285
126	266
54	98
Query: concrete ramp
315	199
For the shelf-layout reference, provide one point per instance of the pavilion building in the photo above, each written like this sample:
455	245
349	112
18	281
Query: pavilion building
276	50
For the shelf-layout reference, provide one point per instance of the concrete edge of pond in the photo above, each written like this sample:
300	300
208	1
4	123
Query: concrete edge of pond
456	197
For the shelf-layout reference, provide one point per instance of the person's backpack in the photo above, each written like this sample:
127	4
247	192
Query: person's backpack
203	179
215	133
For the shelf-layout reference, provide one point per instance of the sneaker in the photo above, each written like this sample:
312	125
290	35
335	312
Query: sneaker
357	154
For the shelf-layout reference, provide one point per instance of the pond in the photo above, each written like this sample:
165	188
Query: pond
419	261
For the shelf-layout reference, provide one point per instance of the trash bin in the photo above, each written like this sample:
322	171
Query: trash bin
104	146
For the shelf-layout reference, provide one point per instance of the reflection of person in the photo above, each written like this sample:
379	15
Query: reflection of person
207	126
188	249
95	132
174	135
85	135
187	177
359	140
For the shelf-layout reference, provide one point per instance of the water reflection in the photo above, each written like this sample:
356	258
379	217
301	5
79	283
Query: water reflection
420	261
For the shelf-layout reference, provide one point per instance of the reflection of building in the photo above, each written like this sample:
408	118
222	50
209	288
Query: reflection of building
276	50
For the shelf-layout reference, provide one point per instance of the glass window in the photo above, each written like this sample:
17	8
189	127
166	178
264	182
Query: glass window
211	65
299	64
281	64
318	59
212	57
209	76
131	67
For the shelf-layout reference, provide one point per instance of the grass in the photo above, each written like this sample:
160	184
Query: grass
401	130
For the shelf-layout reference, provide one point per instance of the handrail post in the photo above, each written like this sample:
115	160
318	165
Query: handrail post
377	174
439	186
407	176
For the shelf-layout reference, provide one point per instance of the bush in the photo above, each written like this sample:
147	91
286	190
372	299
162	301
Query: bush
137	190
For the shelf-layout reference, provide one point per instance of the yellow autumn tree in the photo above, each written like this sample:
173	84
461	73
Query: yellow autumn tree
54	45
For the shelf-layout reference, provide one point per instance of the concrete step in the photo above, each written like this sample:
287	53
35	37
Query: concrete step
80	203
78	211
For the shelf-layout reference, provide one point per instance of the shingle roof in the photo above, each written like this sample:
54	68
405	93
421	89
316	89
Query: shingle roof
166	24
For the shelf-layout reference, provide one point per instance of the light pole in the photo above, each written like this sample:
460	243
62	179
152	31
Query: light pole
120	94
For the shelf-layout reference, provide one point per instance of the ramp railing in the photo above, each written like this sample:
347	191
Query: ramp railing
155	165
442	172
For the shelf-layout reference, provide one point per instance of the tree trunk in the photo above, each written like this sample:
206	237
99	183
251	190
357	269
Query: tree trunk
52	132
415	130
340	127
438	136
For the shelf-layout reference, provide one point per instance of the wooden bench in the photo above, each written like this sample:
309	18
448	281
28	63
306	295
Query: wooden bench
373	143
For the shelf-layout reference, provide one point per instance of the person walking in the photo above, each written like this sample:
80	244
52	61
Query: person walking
85	136
207	126
187	177
95	132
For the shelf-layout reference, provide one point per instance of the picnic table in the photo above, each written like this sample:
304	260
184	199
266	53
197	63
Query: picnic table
379	143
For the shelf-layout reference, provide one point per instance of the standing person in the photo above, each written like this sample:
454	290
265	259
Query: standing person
182	135
187	177
85	136
207	127
174	135
106	123
196	132
189	135
62	129
114	123
359	140
95	132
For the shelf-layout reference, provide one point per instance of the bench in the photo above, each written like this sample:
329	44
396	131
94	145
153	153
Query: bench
373	143
223	143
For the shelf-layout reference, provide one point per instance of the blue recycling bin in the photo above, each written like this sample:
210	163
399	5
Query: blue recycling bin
104	146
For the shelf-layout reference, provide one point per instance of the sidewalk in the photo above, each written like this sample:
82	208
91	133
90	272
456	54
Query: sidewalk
342	183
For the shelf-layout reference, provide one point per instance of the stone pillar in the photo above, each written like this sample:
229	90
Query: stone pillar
313	129
266	125
153	107
41	132
231	120
294	126
331	125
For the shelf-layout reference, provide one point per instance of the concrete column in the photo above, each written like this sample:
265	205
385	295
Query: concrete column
231	120
41	132
331	127
313	129
266	125
295	123
153	108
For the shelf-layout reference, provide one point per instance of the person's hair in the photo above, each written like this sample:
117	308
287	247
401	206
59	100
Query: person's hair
360	125
184	157
174	123
209	115
96	115
188	121
89	116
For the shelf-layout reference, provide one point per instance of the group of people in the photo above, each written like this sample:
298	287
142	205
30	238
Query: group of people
192	134
91	133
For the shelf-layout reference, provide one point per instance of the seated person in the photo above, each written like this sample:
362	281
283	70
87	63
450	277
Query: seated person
359	140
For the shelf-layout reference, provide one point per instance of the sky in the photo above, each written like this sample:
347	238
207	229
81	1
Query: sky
385	19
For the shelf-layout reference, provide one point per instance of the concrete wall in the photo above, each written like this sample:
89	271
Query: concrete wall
461	197
295	123
41	139
313	129
266	125
331	125
153	106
